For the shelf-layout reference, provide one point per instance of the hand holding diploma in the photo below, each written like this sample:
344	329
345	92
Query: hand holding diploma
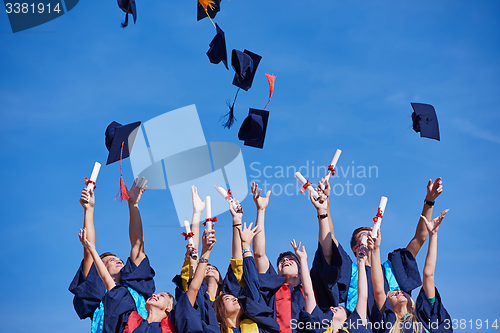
306	185
226	195
377	220
93	177
188	235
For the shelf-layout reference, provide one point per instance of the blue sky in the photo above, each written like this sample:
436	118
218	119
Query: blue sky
346	74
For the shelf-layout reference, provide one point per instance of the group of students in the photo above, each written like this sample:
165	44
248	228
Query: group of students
335	295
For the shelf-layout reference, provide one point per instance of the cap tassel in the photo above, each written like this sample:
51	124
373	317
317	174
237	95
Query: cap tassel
205	4
230	115
123	189
271	79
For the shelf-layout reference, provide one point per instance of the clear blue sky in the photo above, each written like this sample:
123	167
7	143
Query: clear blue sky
346	74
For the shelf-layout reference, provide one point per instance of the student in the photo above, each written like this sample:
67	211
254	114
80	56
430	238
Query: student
246	311
88	287
120	310
403	315
283	291
399	269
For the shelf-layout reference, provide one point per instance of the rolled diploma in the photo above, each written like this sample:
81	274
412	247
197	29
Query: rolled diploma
93	176
334	163
208	215
376	225
223	192
364	243
190	240
302	180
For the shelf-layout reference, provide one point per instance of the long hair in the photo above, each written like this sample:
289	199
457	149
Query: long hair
220	312
408	321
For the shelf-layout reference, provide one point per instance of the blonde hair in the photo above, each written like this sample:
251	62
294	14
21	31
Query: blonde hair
407	320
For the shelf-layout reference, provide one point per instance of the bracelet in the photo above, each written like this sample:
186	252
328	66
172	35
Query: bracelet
236	225
203	260
323	216
430	203
246	250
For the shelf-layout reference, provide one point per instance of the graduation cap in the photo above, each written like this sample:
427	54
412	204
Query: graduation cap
116	134
217	51
128	6
212	7
245	65
425	120
253	129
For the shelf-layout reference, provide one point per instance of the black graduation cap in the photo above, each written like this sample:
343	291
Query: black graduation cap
217	51
213	7
128	6
425	120
116	134
245	65
253	129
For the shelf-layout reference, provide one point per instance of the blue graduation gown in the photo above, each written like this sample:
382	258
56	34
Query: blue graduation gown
309	323
325	276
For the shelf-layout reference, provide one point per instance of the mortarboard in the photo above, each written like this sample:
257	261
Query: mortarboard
128	6
217	51
425	120
115	135
212	8
245	65
253	129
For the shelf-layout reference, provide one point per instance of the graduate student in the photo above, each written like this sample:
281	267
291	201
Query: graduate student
402	314
120	310
137	274
282	290
245	311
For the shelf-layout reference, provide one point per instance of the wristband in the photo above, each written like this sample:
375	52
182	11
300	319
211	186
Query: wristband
430	203
246	250
323	216
203	260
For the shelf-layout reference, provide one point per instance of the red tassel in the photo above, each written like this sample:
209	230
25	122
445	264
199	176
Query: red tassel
123	188
271	79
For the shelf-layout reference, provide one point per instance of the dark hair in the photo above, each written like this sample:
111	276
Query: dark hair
287	253
355	234
219	289
107	254
220	312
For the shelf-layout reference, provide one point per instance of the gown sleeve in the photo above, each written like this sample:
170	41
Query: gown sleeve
88	290
139	278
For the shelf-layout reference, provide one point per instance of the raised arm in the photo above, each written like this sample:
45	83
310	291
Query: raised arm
376	270
324	235
430	259
307	287
101	268
251	280
259	242
137	253
87	200
324	186
361	303
199	275
434	189
237	218
198	207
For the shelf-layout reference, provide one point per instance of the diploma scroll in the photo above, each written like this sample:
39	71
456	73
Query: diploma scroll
188	235
306	185
226	195
331	167
208	216
377	220
362	246
93	177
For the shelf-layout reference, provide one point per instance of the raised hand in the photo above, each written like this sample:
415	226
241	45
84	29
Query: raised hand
87	199
321	204
374	243
434	189
247	234
210	235
260	202
190	251
300	253
324	186
198	205
83	239
433	226
238	213
135	192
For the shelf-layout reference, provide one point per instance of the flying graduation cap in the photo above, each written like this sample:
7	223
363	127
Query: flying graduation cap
253	129
245	65
217	51
128	6
208	8
425	120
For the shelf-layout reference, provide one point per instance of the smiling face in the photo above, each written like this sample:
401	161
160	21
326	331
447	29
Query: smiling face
113	264
288	266
400	301
231	304
162	301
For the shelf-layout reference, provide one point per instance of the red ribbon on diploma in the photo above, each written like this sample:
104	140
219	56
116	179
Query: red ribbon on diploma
228	195
379	215
213	219
332	169
88	181
186	236
306	185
